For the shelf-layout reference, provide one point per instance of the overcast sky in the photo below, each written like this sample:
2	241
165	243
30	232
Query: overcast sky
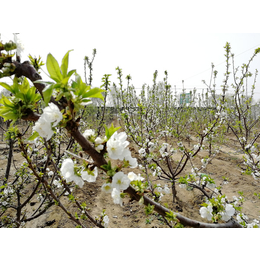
143	36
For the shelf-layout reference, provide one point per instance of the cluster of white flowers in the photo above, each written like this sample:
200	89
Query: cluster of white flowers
204	162
196	147
243	220
205	132
50	118
252	162
120	182
157	171
8	191
226	214
40	197
151	146
163	191
182	186
242	139
206	212
164	150
254	224
57	184
142	152
106	221
88	133
69	174
117	149
6	198
133	177
221	114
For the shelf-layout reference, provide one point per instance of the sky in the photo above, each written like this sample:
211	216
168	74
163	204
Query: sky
143	36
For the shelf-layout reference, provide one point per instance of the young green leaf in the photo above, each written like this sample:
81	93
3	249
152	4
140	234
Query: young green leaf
33	136
53	68
47	93
94	93
110	131
65	64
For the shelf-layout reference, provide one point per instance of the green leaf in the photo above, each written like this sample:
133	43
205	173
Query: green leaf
70	73
43	82
33	136
47	93
65	64
6	86
53	68
110	131
94	93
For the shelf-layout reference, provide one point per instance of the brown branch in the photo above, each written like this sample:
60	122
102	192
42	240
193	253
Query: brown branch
183	220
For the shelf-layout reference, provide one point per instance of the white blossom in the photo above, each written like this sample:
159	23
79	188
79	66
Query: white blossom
120	181
116	146
67	171
52	114
255	223
90	176
228	213
196	147
98	143
151	146
182	186
133	177
88	133
57	184
116	196
8	191
43	128
107	187
206	212
166	189
132	161
163	150
142	152
106	221
117	149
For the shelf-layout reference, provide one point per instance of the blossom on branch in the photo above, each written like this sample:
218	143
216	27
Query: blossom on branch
107	187
133	177
116	196
106	221
206	212
51	114
116	146
98	143
120	181
68	172
88	133
90	176
117	149
228	213
43	128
